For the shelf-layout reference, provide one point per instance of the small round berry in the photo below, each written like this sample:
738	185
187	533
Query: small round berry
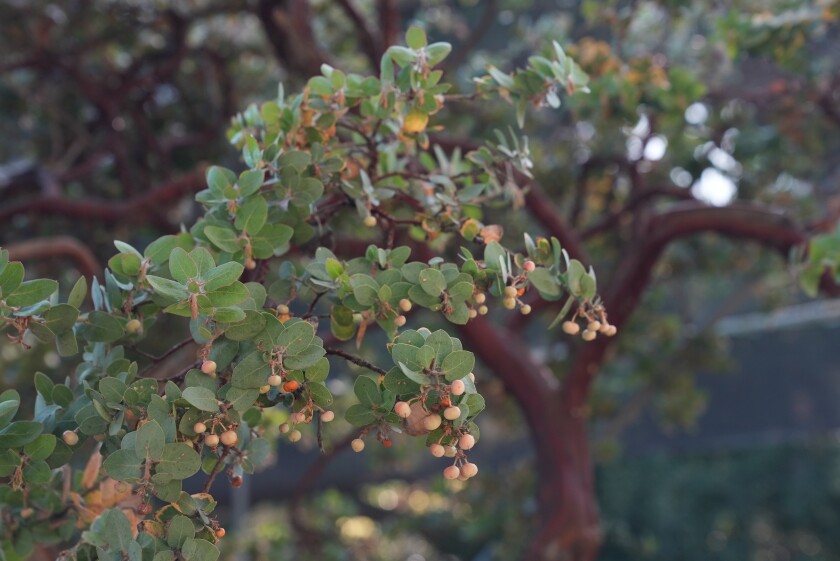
612	331
265	389
285	428
594	326
236	481
466	442
525	310
509	303
27	512
605	327
482	310
144	509
472	377
437	450
369	221
450	451
529	266
290	386
405	305
357	445
472	313
510	292
469	470
220	533
229	438
208	367
327	416
402	409
211	440
387	443
295	436
250	264
399	320
452	472
588	335
432	422
571	328
480	298
458	387
298	417
451	413
282	309
70	438
199	428
274	380
134	327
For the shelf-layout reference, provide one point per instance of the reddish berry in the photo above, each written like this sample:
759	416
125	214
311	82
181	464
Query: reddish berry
220	533
386	443
529	266
236	481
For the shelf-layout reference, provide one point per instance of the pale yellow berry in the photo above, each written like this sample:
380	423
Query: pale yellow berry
400	321
458	387
469	470
437	450
480	298
295	436
510	292
451	413
594	326
452	472
432	422
450	451
571	328
27	512
588	335
473	313
327	416
525	310
298	417
369	221
274	380
509	303
529	266
211	440
282	309
250	264
466	442
402	409
357	445
472	377
199	428
70	438
134	327
405	305
229	438
285	428
612	331
265	389
482	310
208	367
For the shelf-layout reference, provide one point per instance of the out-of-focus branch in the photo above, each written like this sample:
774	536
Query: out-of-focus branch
462	51
54	247
288	28
370	42
389	21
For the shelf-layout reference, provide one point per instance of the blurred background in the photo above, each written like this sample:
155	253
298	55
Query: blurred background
713	421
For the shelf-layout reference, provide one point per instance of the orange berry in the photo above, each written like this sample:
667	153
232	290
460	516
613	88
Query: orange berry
405	305
400	320
594	326
220	533
509	303
70	438
469	470
229	438
208	367
480	298
290	386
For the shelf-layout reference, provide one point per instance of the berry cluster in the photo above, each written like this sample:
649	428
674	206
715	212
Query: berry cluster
595	319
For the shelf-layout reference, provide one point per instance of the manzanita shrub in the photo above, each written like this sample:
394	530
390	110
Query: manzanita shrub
99	469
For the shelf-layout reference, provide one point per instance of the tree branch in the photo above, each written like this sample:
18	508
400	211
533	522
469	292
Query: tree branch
370	42
58	246
356	360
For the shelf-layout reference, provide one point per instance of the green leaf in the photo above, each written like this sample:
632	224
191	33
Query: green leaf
150	440
168	288
60	318
223	275
37	473
40	448
296	337
230	295
251	216
123	465
199	550
575	273
358	415
180	529
201	398
249	182
31	292
101	327
457	365
545	283
251	372
117	529
415	37
225	238
11	277
441	343
182	266
367	390
241	398
398	383
319	371
319	394
19	433
78	293
306	358
9	462
414	375
112	388
432	281
333	267
178	461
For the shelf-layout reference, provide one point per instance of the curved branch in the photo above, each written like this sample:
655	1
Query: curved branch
58	246
370	42
462	51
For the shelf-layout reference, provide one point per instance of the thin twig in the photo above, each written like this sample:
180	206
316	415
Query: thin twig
216	470
355	360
